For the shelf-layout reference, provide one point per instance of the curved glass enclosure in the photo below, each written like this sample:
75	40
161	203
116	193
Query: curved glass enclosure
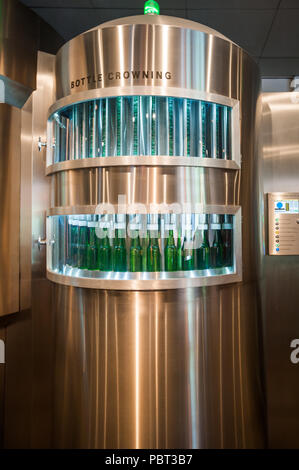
98	245
140	126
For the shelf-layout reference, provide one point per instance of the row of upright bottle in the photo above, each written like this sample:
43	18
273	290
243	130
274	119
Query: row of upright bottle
141	126
143	243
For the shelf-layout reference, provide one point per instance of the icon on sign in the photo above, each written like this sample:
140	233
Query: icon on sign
279	205
277	249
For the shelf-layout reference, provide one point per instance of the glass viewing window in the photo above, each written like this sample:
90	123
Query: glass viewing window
140	126
98	245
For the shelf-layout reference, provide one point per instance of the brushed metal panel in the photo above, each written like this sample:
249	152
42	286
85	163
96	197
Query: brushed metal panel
2	387
10	128
29	365
26	206
145	185
191	57
157	369
42	321
280	274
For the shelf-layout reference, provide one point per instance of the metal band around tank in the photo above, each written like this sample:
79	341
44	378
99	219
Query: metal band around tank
150	160
126	283
145	185
204	209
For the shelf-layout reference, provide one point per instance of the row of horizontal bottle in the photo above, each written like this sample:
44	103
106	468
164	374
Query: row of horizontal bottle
141	125
142	243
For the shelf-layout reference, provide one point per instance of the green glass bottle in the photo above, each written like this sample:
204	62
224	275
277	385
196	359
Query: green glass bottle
74	242
69	220
188	250
104	261
144	246
170	252
92	246
83	243
119	256
202	260
135	254
203	252
179	264
227	227
153	249
217	251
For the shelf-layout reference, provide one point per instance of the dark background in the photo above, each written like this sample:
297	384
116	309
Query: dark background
267	29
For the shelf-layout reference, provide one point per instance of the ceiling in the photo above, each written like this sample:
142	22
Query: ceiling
267	29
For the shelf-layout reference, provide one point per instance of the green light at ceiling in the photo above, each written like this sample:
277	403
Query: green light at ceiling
151	8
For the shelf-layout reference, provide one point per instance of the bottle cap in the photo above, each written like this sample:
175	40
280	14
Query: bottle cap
173	218
203	218
154	218
215	219
104	224
152	227
170	227
188	219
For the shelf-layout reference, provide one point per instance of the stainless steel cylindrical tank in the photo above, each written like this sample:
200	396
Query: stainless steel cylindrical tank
153	133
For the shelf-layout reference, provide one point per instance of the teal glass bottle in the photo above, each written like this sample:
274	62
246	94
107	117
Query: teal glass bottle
83	244
170	253
104	261
119	256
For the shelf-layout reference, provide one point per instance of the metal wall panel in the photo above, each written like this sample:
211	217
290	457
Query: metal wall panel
2	388
18	51
29	338
280	274
10	128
